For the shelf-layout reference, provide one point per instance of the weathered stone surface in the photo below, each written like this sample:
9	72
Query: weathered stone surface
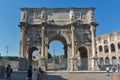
108	49
74	27
116	76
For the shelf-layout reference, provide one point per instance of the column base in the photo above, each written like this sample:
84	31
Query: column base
94	66
74	66
42	63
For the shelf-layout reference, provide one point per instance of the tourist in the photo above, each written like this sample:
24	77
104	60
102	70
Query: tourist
113	69
39	74
29	73
9	71
34	75
107	69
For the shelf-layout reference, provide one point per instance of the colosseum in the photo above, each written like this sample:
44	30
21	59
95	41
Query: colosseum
108	50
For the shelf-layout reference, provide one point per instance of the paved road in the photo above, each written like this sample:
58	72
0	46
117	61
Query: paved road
67	76
18	76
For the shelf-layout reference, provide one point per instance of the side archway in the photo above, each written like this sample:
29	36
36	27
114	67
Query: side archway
32	56
83	65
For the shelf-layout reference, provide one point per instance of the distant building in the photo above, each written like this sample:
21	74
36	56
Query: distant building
108	49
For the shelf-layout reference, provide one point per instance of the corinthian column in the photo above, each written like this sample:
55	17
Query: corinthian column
43	43
22	38
94	56
42	61
92	29
23	63
73	58
73	41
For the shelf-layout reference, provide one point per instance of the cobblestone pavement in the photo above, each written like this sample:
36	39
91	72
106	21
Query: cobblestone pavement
79	76
67	76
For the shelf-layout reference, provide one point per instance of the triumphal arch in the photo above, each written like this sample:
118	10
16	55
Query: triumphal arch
74	27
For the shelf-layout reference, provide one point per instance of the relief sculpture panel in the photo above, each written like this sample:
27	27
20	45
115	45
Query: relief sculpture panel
33	36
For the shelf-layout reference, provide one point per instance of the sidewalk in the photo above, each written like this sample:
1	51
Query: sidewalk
2	79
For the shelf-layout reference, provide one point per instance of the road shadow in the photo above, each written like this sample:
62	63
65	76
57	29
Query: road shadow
56	77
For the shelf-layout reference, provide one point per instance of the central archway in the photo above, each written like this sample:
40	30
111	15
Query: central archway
58	61
83	65
32	56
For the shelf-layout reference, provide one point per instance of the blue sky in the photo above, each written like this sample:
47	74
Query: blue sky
107	15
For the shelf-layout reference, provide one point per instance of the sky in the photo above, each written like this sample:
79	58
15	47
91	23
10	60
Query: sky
107	15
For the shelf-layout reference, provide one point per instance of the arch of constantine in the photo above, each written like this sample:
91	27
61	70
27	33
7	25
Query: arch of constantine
74	27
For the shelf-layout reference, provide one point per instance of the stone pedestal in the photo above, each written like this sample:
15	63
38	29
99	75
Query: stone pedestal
96	68
116	76
74	66
23	64
42	63
94	64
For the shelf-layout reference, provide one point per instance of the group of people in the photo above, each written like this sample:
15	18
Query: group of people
111	68
35	74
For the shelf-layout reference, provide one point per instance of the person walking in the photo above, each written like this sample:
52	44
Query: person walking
9	71
107	69
29	73
39	74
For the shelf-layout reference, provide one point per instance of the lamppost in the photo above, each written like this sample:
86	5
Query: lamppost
7	50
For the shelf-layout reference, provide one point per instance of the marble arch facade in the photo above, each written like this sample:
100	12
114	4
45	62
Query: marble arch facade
74	27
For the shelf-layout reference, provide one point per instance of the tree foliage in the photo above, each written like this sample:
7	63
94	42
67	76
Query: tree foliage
49	55
9	57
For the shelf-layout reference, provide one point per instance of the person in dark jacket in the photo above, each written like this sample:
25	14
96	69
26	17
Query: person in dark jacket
30	73
40	74
9	71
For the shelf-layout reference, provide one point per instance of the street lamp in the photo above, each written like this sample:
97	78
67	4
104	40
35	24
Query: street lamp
7	50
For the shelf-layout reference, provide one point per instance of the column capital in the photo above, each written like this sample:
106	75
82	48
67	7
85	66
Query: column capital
68	44
72	28
92	28
94	24
43	28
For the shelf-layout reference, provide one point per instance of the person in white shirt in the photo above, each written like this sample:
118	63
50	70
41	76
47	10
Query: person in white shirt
107	69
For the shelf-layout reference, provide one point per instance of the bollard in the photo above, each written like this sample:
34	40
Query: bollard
116	76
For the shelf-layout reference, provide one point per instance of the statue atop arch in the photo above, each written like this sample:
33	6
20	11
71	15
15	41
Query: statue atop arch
74	27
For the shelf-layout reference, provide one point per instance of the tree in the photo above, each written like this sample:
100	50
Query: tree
49	55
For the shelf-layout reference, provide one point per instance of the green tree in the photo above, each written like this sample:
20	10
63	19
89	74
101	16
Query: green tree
6	57
49	55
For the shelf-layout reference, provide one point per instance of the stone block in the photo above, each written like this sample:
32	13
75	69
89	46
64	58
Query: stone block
116	76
